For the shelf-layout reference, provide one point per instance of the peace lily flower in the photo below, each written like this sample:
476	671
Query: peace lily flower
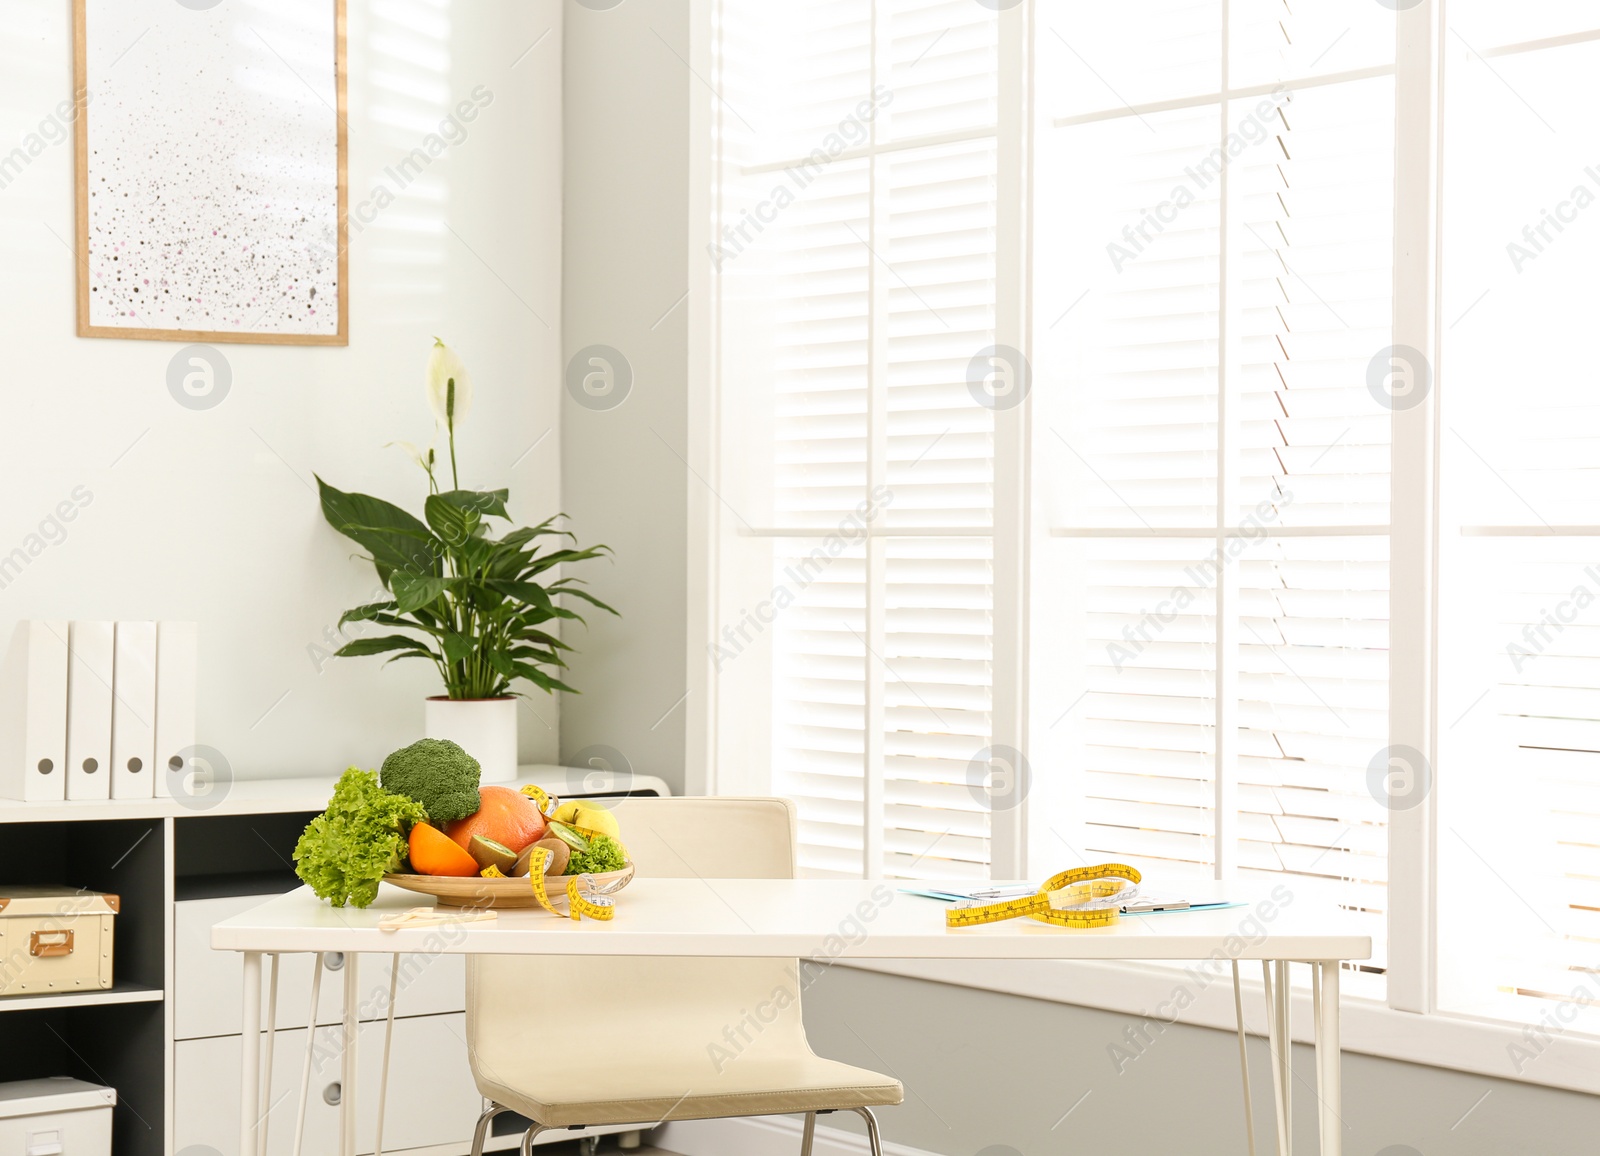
423	458
449	395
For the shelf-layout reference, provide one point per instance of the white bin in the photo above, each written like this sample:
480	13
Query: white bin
57	1116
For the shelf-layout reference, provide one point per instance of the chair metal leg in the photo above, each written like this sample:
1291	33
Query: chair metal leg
527	1138
480	1134
810	1134
872	1130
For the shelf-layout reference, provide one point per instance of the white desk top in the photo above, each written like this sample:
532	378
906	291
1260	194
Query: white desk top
800	918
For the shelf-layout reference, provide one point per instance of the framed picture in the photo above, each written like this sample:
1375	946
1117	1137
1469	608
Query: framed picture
211	170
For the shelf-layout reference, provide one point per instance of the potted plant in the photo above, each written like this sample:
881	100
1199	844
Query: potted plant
480	608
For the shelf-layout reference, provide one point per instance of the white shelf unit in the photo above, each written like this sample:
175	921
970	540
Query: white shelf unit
166	1035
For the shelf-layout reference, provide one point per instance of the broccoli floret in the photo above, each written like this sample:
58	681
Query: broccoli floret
604	854
436	773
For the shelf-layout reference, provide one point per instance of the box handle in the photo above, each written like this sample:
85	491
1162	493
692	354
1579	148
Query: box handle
46	944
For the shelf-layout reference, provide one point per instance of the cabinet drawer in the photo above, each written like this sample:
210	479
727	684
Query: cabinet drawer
432	1099
206	989
207	984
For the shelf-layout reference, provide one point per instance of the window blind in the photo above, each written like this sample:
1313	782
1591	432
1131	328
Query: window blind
1520	683
850	319
1219	271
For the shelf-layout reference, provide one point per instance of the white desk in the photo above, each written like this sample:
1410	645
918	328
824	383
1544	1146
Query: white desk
825	920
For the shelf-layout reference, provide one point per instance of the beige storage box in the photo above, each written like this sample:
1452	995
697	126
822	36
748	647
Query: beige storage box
58	1116
55	939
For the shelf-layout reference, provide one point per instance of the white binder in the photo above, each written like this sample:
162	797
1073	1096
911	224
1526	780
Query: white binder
33	713
133	714
177	679
90	670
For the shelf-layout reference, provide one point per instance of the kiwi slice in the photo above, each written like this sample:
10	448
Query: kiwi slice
559	854
568	835
488	853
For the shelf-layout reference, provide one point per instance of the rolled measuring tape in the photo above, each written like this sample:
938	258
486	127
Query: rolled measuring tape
1082	897
584	896
546	802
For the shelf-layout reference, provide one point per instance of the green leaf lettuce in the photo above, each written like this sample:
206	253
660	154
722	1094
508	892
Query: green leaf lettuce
358	840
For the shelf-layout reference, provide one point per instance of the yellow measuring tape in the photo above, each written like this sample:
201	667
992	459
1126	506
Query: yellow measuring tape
1082	897
583	897
542	798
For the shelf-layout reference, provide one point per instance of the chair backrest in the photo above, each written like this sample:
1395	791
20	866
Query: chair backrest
709	838
657	1005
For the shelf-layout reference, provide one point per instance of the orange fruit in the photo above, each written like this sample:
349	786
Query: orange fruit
505	815
433	853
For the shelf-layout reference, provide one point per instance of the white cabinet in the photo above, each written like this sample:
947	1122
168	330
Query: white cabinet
207	988
207	985
431	1099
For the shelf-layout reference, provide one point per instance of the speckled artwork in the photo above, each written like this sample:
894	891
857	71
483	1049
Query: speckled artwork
210	164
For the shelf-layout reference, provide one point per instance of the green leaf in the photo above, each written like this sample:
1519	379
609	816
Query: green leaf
396	540
585	595
412	592
549	640
474	555
545	655
457	515
488	503
530	593
527	534
457	647
368	613
542	562
453	523
361	647
542	680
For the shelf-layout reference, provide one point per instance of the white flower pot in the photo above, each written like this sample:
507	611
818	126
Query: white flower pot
486	728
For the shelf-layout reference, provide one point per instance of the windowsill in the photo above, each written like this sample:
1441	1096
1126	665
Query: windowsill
1481	1047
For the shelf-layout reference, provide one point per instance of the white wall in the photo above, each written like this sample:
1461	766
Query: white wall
624	480
213	515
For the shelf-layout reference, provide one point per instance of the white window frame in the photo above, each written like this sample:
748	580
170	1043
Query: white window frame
1409	1025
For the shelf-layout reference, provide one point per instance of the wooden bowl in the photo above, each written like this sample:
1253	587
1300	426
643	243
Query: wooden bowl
480	893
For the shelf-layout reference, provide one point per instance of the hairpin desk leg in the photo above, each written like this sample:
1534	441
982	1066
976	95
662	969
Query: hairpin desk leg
250	1067
347	1074
1328	1109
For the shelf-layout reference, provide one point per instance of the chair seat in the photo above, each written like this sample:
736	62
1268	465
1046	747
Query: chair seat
689	1088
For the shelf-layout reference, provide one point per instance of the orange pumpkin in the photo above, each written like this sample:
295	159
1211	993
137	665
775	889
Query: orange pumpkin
505	815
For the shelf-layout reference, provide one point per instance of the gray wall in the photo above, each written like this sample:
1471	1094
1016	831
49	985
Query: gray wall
623	479
985	1068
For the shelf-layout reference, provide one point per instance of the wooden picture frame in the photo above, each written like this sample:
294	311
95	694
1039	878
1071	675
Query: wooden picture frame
88	323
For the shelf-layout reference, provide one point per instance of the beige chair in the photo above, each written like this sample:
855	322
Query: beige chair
580	1041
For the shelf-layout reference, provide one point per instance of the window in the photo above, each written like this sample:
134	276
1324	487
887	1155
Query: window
855	250
1519	706
1214	275
1251	525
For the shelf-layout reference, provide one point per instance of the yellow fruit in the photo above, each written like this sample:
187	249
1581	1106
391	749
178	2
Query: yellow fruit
588	816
